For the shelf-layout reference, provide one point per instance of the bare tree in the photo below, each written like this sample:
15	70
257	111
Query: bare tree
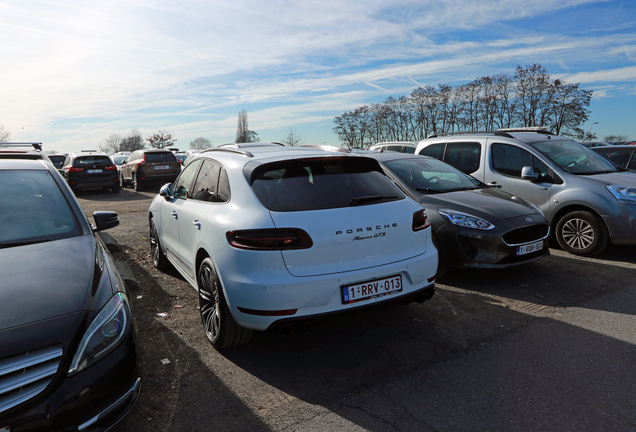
292	139
111	144
243	133
200	144
4	134
131	142
161	140
616	138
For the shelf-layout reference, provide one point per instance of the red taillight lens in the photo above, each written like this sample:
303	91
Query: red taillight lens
75	169
420	220
111	168
270	239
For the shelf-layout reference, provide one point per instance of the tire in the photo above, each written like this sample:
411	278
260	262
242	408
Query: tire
159	259
136	183
219	326
115	189
582	233
122	183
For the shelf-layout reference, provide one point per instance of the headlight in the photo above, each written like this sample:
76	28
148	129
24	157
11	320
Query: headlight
104	332
466	220
623	194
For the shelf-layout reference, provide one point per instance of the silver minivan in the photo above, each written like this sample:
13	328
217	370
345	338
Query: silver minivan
588	201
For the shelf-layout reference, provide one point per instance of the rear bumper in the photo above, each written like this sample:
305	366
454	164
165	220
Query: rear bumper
309	297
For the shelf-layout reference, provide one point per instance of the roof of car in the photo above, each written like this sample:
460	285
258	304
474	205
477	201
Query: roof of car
33	164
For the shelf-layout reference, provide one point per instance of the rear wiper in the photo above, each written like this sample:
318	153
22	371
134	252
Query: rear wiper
369	199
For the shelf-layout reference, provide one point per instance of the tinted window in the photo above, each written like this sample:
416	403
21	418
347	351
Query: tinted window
184	183
317	184
93	160
509	160
223	194
464	156
58	161
409	149
33	209
434	150
206	186
160	157
431	175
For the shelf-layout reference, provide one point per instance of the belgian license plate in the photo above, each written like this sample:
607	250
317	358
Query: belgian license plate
162	167
529	248
91	171
371	289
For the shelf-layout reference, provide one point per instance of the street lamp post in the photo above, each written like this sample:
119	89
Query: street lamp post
590	131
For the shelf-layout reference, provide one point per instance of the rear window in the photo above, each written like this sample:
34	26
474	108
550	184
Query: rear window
93	160
160	157
33	209
324	183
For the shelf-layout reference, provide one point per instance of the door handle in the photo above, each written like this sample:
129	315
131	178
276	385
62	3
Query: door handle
175	215
196	224
494	184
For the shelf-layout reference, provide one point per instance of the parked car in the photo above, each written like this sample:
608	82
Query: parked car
22	150
588	201
90	169
592	144
57	159
623	155
258	231
397	146
119	160
146	167
474	225
69	358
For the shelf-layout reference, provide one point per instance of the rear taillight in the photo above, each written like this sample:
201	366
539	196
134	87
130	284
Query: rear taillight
420	220
111	168
75	169
270	239
142	161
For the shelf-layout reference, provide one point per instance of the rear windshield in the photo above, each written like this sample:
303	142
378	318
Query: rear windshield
160	157
93	160
33	209
324	183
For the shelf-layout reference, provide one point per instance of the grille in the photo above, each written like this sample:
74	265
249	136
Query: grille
526	234
24	376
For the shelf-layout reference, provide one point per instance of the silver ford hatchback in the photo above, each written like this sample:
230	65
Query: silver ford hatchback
588	201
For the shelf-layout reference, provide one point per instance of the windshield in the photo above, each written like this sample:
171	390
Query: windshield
431	175
574	157
322	183
33	209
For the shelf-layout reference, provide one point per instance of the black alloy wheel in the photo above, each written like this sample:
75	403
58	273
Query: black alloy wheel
219	326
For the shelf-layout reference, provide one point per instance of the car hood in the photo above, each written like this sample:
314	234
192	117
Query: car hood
489	203
46	280
622	178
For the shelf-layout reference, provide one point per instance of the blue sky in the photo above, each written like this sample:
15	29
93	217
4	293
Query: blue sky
75	72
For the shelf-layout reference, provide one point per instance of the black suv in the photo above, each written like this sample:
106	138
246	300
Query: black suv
149	166
90	170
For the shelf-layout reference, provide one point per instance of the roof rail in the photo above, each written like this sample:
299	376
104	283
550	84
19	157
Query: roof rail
326	147
536	129
226	148
497	133
35	145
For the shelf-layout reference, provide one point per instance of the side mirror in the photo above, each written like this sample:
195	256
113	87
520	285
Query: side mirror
105	220
167	191
527	173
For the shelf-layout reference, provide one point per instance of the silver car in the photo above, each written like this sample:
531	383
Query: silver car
588	201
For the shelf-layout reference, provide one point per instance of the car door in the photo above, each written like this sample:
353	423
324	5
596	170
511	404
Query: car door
505	163
201	199
171	210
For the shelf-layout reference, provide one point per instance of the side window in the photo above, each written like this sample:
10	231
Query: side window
509	160
409	149
183	184
206	186
434	150
223	194
464	156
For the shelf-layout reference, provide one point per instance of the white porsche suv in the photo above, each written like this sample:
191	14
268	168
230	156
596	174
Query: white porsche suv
272	235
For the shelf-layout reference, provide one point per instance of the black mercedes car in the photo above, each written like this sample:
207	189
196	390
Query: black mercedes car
474	225
68	357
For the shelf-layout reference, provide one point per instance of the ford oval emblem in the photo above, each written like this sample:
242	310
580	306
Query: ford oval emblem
528	219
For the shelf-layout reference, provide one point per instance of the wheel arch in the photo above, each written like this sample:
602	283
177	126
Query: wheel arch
571	208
